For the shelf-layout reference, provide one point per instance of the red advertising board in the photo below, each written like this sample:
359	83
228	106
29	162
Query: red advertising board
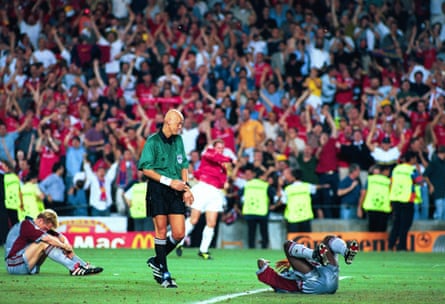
418	241
112	240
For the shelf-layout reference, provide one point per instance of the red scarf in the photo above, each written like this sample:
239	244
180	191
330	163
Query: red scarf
122	179
103	192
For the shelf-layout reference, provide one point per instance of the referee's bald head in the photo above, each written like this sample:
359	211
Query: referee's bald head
173	114
173	121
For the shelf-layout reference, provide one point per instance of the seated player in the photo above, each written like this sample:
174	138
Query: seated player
306	270
30	242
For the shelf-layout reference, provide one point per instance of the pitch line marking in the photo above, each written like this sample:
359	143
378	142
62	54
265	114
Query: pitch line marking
233	295
245	293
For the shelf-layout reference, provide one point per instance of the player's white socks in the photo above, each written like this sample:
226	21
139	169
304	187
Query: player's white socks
76	259
188	226
337	245
188	229
57	255
207	236
300	251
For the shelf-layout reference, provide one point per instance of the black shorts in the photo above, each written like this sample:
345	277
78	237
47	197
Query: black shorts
163	200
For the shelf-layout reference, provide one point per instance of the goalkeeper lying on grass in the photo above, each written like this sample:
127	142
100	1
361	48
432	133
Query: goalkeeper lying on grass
30	242
307	270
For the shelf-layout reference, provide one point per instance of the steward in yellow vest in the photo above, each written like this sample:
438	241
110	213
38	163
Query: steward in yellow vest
374	199
13	195
32	198
137	203
256	201
298	201
402	195
134	197
255	206
402	184
13	199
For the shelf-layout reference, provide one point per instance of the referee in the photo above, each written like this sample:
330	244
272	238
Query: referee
164	162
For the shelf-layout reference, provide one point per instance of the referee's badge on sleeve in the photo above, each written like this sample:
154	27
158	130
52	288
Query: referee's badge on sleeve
179	159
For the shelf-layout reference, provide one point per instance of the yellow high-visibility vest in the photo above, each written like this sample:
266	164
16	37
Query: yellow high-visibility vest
401	183
256	201
12	191
299	203
138	207
32	204
377	195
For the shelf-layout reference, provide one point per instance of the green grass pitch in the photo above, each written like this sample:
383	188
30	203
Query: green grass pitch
374	277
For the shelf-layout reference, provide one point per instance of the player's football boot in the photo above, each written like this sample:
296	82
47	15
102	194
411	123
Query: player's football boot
320	254
167	281
156	269
179	251
93	268
205	255
351	252
80	270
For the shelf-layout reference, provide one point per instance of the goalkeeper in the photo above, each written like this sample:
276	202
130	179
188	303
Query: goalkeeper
306	270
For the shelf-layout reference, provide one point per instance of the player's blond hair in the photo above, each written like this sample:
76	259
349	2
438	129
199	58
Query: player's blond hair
49	216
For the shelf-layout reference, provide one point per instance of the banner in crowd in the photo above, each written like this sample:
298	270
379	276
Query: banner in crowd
166	100
418	241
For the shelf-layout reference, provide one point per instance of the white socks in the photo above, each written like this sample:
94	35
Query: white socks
337	245
300	251
207	237
57	255
188	229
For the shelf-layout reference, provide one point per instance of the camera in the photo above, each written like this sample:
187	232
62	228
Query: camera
80	184
181	28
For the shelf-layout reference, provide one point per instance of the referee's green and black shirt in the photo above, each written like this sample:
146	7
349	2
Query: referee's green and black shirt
164	155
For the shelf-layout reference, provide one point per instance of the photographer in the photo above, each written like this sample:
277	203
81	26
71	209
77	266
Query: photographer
77	198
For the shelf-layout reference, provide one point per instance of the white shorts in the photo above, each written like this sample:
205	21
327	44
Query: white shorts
208	198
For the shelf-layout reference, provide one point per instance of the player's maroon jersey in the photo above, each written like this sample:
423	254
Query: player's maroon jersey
26	233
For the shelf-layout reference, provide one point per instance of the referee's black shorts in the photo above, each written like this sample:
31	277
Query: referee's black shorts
163	200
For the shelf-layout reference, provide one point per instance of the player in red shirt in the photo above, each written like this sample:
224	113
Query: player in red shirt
30	242
208	194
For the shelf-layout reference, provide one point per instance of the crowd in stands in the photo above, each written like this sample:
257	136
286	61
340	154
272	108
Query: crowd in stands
314	84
